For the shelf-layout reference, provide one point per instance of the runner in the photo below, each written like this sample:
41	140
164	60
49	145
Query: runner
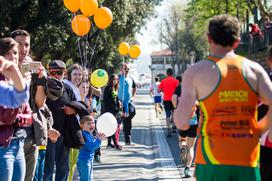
168	86
227	87
154	91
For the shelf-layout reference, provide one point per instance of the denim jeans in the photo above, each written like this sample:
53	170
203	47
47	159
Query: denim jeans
12	161
40	166
85	170
59	154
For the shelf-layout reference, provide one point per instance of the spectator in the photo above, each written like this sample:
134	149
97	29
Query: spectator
111	104
22	37
74	77
127	90
16	94
12	126
56	152
86	154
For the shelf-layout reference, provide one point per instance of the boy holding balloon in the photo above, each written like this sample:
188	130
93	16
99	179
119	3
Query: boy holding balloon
86	153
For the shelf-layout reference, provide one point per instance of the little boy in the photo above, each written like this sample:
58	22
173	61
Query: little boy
86	153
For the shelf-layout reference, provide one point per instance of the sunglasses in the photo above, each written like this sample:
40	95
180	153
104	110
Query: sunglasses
58	72
126	69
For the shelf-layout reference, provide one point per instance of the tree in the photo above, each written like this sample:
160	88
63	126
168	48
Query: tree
52	38
264	11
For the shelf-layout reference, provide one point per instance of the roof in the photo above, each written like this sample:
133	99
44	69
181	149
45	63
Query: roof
160	53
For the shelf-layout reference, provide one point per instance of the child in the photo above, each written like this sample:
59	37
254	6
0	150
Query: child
86	153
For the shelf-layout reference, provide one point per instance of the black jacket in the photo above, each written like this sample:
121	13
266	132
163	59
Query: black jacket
110	103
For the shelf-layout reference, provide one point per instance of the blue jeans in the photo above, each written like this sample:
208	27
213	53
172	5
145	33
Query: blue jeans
40	166
12	161
56	152
85	170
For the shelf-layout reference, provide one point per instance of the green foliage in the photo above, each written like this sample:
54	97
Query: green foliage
48	22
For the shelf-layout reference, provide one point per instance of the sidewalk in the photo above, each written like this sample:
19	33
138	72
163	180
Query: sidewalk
149	159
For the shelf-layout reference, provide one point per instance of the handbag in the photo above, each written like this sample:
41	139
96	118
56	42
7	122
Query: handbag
43	119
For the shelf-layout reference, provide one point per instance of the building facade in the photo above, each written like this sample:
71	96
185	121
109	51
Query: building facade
160	62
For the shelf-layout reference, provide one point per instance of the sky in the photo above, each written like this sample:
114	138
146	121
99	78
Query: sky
148	38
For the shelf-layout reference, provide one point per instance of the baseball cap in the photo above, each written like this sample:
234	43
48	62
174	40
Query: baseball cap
57	64
79	107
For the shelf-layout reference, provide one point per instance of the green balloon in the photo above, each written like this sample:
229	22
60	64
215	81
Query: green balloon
101	73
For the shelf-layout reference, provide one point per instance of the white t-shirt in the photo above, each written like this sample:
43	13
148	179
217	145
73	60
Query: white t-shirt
155	89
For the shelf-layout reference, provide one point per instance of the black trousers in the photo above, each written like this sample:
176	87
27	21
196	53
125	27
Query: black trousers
266	163
127	125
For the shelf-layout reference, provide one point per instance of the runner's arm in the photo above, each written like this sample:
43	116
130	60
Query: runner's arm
264	87
183	113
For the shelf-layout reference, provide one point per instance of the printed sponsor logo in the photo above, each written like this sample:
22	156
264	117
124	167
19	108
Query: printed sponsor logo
233	96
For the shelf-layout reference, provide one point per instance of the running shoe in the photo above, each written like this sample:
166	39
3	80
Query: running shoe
187	172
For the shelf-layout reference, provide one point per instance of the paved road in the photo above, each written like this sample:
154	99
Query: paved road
154	157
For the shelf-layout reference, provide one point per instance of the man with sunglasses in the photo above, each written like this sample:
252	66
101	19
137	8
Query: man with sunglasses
57	152
127	90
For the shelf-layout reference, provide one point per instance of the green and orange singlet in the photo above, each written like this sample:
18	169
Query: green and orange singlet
228	130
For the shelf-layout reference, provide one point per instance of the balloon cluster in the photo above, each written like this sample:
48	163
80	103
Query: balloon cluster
81	23
134	51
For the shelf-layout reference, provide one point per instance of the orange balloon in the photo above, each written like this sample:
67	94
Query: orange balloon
81	25
123	48
72	5
103	17
134	51
88	7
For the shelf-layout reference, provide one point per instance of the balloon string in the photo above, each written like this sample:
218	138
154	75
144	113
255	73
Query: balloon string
123	86
85	53
94	48
78	43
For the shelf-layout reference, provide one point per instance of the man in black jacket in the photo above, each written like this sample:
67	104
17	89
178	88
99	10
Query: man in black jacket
58	152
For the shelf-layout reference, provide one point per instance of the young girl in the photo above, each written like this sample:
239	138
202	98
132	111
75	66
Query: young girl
86	153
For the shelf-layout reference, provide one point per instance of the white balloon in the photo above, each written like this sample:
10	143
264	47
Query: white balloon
106	124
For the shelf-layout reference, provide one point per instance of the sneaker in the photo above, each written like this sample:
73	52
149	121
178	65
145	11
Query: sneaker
187	172
97	159
130	143
109	146
118	147
183	155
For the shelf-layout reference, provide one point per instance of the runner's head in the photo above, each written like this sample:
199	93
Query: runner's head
224	30
169	72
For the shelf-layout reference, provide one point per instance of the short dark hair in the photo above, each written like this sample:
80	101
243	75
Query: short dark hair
224	30
19	32
169	71
157	79
86	119
179	78
6	44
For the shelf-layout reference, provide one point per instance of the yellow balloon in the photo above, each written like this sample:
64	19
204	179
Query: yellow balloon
88	7
72	5
103	17
81	25
123	48
134	51
99	78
